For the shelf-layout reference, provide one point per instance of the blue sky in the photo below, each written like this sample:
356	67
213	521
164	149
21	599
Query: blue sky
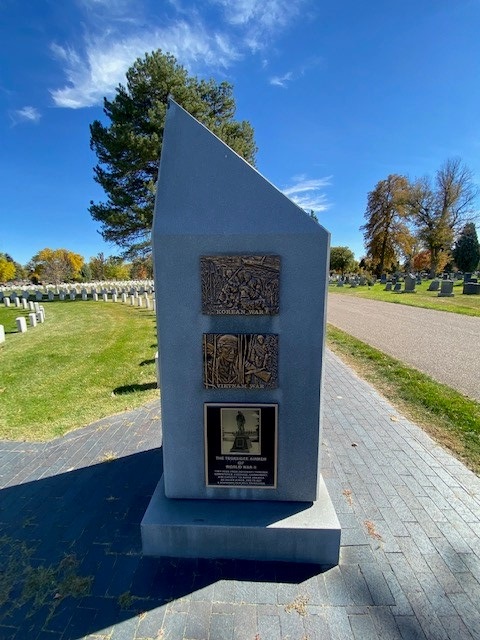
341	93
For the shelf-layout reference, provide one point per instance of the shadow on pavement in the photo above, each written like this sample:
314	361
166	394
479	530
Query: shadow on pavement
70	553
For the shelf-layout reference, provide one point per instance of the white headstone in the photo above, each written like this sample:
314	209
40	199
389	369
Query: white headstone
95	296
6	302
40	316
33	319
18	304
24	303
21	324
2	333
105	296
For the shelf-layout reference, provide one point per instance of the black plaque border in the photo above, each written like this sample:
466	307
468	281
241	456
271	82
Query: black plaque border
212	444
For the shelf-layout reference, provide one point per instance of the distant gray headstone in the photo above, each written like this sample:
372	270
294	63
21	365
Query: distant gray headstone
471	288
388	286
397	287
446	290
434	285
410	282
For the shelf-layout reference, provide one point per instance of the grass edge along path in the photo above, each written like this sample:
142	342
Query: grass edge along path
462	304
450	418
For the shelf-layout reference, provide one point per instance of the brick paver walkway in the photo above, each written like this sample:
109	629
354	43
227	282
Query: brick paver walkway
70	514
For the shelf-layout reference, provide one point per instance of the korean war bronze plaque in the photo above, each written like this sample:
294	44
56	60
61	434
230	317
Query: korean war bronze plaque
241	445
240	285
239	360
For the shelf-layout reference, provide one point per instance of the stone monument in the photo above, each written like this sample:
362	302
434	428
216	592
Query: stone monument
240	283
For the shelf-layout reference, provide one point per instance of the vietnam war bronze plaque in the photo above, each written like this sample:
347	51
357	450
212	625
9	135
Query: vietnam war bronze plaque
240	285
240	361
241	445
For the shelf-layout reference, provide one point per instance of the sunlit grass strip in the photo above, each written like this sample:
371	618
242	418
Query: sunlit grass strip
459	303
449	417
87	361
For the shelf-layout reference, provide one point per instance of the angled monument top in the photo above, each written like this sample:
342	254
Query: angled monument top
225	192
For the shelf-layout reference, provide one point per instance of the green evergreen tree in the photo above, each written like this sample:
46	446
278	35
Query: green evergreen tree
128	148
466	252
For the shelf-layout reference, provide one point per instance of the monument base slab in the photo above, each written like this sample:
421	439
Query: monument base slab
245	530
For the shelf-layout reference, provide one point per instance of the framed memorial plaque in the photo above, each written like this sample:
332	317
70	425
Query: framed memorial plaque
241	445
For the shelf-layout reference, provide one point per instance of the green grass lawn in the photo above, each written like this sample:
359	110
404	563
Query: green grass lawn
87	361
448	416
467	305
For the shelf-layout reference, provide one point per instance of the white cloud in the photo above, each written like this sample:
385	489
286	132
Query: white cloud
106	60
117	36
309	193
281	81
260	19
26	114
291	76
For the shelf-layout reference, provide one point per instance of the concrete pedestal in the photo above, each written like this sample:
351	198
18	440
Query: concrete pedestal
245	530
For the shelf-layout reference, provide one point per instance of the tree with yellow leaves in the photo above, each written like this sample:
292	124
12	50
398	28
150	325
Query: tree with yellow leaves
7	268
57	265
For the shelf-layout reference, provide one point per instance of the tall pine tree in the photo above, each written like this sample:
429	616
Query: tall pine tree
128	148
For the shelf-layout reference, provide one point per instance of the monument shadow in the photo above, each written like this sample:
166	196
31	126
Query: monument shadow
70	553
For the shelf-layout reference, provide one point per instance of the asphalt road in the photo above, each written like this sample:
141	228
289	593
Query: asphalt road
444	345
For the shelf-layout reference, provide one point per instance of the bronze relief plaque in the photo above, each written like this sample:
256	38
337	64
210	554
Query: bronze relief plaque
240	285
240	361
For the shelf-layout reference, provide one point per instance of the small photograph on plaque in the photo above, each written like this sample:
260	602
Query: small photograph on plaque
241	445
240	360
241	430
240	285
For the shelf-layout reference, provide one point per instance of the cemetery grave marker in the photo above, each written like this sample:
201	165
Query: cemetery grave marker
446	290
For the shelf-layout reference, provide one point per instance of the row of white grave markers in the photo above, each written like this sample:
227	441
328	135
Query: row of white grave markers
37	314
72	290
